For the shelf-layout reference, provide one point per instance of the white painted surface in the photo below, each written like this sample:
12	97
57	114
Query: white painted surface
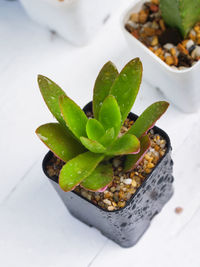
35	228
76	20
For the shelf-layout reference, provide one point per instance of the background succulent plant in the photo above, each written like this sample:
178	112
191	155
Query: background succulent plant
88	144
182	14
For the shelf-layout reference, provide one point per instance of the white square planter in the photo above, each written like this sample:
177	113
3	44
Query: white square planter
181	87
75	20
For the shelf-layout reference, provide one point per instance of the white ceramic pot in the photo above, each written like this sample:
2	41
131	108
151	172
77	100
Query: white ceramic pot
75	20
181	87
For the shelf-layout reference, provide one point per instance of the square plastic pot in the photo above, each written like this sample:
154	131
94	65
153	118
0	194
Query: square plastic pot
181	87
126	225
76	20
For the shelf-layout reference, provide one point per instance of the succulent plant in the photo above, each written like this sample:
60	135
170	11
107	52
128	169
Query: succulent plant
182	14
87	145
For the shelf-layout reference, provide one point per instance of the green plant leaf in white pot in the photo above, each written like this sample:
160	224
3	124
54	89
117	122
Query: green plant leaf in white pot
178	81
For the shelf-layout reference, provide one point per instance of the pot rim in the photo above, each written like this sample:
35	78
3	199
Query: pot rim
123	20
155	128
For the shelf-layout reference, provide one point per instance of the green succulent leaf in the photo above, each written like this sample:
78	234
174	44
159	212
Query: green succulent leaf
94	130
51	93
102	86
126	86
181	14
148	118
92	145
109	115
74	116
77	169
99	178
127	144
59	141
133	160
108	137
114	96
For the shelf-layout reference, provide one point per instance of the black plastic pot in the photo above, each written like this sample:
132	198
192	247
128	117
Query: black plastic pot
126	225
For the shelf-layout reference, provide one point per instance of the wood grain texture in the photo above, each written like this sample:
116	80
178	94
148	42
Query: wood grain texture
35	228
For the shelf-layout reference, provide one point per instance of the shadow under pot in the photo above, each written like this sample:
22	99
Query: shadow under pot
126	225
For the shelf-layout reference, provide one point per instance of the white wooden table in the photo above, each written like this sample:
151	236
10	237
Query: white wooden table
35	228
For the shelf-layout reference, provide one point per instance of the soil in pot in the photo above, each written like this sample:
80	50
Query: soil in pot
148	27
124	184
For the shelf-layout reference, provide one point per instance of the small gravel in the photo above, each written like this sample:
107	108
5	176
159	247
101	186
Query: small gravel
178	210
148	26
127	181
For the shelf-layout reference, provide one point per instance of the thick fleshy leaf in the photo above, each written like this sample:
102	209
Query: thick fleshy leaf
94	130
92	145
109	114
59	141
74	116
133	160
126	86
77	169
51	93
127	144
108	137
180	14
99	178
148	118
102	86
